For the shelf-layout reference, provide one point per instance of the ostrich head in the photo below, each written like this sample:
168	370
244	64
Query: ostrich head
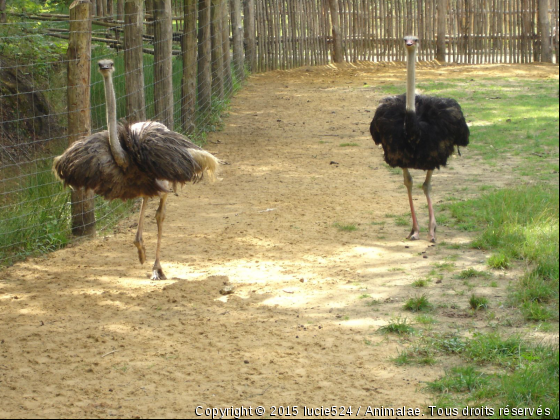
106	66
412	42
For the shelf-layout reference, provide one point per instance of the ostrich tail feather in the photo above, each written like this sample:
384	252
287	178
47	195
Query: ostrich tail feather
208	162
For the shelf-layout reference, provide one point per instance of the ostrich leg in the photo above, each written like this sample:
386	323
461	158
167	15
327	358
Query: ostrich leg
157	273
427	187
415	232
138	241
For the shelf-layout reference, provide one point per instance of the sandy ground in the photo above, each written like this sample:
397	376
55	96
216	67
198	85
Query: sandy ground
84	332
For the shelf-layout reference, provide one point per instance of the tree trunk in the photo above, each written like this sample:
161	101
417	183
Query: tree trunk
79	106
163	63
338	55
188	105
544	26
133	61
204	95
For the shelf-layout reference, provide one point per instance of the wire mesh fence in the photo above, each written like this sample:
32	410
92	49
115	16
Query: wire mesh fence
179	61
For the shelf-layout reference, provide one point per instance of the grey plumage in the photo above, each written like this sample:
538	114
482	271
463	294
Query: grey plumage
154	154
125	161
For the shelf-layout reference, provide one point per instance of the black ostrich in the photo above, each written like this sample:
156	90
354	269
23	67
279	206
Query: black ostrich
144	159
418	132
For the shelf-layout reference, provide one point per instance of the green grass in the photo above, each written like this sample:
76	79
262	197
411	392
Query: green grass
530	378
478	302
399	326
349	145
345	228
520	225
418	304
472	273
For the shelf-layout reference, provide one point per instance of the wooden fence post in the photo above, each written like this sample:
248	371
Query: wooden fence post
79	106
249	34
163	63
237	30
441	48
226	49
133	61
204	96
544	26
3	11
189	47
217	53
338	55
120	9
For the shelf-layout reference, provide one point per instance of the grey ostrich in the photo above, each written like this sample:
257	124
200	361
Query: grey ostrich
144	159
418	132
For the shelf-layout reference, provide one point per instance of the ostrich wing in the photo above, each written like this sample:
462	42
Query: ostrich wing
163	154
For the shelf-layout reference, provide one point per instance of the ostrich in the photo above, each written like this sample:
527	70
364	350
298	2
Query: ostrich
418	132
144	159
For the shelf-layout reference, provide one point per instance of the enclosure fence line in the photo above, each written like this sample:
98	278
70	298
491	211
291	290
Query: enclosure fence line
178	62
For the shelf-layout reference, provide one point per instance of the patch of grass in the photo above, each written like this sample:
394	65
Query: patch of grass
402	221
400	326
421	283
346	228
478	302
349	145
418	304
471	273
364	296
499	261
425	319
459	379
416	355
373	302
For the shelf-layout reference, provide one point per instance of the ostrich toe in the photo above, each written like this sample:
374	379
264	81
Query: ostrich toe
141	252
414	235
157	274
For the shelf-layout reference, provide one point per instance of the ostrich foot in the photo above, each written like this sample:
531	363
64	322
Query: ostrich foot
414	235
433	236
157	274
141	251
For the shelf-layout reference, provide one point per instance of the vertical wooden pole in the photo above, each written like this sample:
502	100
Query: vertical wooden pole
189	47
120	9
237	30
204	96
226	48
544	26
133	61
3	11
79	111
338	56
249	34
163	64
217	54
441	55
100	8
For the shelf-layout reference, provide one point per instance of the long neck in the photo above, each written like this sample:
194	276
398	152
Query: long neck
411	81
111	105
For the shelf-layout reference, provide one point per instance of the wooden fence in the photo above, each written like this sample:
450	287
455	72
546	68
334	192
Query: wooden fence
300	32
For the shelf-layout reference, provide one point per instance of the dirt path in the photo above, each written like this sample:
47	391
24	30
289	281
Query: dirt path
84	332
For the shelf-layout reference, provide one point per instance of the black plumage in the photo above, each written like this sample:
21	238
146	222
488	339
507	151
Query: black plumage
424	139
418	132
